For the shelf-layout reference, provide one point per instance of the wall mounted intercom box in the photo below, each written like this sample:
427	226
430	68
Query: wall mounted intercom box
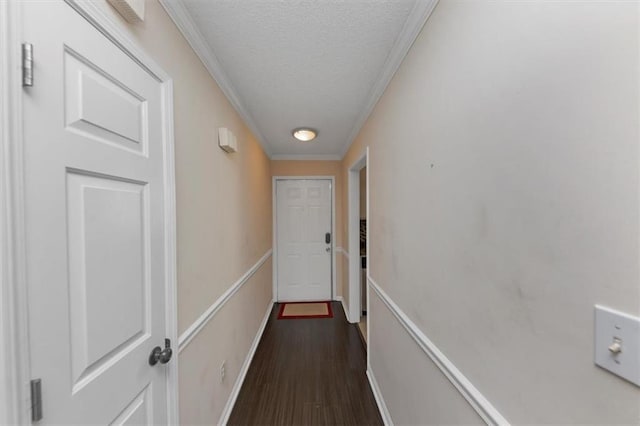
227	140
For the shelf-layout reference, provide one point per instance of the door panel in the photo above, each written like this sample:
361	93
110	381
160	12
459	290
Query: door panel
108	256
138	412
303	212
94	198
90	92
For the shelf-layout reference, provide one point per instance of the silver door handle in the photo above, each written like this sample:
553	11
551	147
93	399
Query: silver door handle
162	355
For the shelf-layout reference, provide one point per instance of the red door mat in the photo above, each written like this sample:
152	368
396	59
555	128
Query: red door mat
299	310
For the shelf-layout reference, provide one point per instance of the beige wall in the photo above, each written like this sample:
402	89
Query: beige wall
320	168
224	220
504	205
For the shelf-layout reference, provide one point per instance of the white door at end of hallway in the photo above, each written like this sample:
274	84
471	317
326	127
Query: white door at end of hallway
304	239
96	234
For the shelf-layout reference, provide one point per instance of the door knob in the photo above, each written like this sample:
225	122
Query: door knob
161	355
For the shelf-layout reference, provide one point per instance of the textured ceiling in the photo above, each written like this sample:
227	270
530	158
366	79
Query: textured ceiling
287	64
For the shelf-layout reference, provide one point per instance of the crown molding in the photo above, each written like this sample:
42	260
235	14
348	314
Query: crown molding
307	157
196	327
418	16
180	16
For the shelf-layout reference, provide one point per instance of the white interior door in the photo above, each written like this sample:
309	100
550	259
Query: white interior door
303	220
94	199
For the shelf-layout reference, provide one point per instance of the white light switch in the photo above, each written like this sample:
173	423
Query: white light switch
617	343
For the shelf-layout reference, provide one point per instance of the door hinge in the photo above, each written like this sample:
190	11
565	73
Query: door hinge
27	64
36	400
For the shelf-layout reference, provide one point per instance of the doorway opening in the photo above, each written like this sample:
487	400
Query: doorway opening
359	242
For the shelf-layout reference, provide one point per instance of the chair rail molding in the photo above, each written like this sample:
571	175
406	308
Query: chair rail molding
480	404
343	251
195	328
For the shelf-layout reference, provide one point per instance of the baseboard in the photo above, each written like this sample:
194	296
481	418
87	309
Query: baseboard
199	324
344	308
228	408
480	404
382	407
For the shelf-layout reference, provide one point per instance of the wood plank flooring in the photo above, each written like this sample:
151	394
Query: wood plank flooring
307	372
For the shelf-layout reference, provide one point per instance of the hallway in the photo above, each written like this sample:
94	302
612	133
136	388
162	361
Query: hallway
488	150
307	371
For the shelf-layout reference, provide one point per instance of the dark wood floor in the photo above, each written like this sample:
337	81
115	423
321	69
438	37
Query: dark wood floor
307	372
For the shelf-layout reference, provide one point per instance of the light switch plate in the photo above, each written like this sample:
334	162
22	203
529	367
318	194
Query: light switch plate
610	327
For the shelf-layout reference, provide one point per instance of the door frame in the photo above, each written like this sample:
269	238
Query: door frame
15	399
355	309
14	372
274	203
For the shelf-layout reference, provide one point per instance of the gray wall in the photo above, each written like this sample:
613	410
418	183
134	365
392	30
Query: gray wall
504	205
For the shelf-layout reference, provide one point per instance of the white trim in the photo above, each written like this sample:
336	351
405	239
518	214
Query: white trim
416	20
418	16
353	233
171	257
117	34
473	396
344	307
382	406
228	408
199	324
274	203
367	252
274	242
343	251
14	343
334	270
181	17
308	157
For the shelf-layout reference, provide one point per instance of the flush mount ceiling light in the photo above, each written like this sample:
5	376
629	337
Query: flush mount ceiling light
305	134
